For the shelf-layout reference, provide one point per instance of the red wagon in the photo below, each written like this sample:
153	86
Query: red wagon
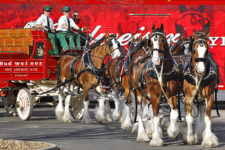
25	69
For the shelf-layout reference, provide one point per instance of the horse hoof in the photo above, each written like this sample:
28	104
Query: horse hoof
109	119
189	140
99	116
116	116
210	141
197	138
173	133
126	126
143	138
68	121
59	115
134	128
156	142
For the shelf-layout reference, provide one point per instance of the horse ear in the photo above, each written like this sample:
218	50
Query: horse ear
162	28
116	35
207	34
153	27
194	32
107	35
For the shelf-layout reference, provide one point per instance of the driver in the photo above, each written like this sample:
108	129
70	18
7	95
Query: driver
64	31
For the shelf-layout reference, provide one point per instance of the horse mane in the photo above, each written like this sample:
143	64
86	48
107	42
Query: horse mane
97	43
176	45
138	46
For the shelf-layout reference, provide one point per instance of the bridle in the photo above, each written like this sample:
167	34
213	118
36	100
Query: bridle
158	50
109	44
201	40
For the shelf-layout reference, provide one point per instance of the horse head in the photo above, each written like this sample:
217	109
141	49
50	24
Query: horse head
158	44
186	45
113	46
200	50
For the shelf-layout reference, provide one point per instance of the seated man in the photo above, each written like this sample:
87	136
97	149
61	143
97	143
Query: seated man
64	30
83	36
44	22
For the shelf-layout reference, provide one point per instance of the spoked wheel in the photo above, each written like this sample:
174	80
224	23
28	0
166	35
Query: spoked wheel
24	104
77	106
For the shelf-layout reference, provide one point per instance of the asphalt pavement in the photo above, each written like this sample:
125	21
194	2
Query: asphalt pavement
43	126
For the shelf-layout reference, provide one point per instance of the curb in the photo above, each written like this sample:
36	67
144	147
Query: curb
51	146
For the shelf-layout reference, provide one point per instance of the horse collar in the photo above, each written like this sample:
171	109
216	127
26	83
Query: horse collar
190	76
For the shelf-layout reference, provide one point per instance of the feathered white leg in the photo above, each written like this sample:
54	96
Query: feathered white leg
146	114
149	127
188	137
117	111
127	121
67	116
156	136
100	111
209	139
173	129
142	136
86	117
59	111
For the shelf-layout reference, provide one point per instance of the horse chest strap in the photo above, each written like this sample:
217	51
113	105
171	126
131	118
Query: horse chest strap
73	66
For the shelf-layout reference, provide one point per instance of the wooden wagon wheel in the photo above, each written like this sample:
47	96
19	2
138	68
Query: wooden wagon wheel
24	104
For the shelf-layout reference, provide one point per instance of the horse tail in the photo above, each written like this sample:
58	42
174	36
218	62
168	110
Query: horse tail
57	73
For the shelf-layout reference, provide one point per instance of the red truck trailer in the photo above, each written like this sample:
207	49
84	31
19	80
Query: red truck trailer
21	67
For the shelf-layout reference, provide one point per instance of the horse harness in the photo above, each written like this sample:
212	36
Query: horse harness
190	76
149	71
89	66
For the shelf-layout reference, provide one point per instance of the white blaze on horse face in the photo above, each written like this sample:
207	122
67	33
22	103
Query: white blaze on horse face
186	48
155	43
201	49
116	52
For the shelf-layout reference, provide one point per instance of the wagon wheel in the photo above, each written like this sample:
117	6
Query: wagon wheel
77	106
24	104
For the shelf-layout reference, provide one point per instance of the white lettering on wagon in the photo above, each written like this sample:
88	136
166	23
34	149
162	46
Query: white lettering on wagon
171	37
20	63
5	63
20	69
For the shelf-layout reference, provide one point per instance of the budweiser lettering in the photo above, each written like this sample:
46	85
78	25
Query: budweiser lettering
21	63
171	37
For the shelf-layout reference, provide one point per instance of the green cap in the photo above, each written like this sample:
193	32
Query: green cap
47	8
66	8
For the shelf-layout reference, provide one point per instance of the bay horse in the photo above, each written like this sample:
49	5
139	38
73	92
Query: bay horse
87	71
117	72
200	82
151	77
182	47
